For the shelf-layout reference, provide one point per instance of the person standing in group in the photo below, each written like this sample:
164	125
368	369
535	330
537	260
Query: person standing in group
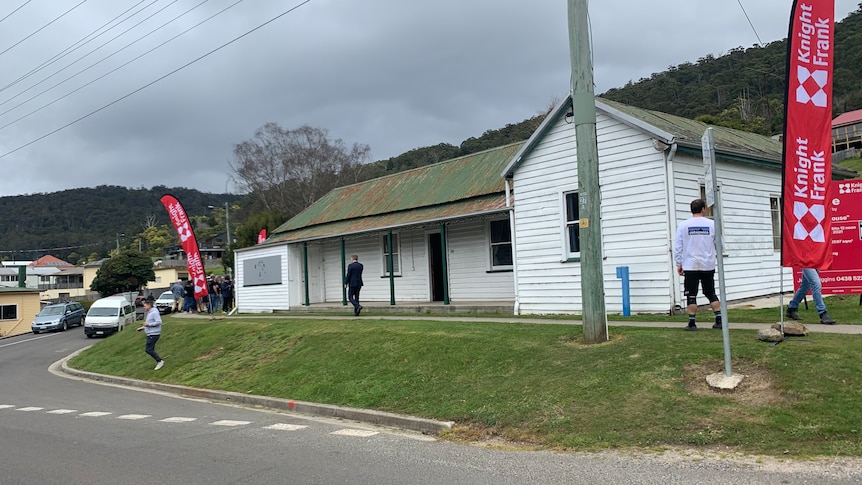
178	292
212	295
227	294
353	283
152	326
694	255
810	281
189	303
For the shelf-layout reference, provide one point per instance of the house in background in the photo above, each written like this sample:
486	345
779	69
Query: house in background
436	233
650	169
847	135
18	306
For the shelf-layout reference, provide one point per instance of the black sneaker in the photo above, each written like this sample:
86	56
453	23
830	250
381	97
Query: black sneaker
826	319
717	325
691	327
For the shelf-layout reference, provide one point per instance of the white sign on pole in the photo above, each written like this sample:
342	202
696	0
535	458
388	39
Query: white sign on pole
708	148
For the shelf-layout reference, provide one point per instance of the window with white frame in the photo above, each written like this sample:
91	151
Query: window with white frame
775	210
396	255
8	312
501	244
572	224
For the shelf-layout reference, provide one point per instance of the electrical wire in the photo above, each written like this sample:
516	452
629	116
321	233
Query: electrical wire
42	28
12	12
72	48
759	42
106	58
112	70
194	61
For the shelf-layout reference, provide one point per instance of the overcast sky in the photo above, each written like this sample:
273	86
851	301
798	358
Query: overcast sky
392	74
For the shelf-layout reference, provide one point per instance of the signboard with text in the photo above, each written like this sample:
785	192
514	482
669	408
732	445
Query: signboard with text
845	274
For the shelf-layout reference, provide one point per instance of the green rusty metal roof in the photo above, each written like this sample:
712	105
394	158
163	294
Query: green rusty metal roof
462	186
478	206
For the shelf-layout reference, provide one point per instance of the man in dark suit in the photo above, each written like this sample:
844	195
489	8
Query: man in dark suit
353	283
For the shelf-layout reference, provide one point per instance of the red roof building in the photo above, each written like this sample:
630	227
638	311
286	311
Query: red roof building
847	131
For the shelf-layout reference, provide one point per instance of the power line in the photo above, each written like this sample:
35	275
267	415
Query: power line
157	79
759	42
12	12
112	70
72	48
42	28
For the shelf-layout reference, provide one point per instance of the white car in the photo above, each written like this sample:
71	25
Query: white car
165	302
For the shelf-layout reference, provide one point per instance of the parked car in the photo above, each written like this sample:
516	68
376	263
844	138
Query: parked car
165	302
58	317
108	316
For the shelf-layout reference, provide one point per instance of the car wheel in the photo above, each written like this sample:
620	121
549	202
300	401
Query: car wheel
36	332
65	325
88	335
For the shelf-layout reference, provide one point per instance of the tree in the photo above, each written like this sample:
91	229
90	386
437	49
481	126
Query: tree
288	170
127	271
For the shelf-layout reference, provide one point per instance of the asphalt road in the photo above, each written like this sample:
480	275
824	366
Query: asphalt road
60	430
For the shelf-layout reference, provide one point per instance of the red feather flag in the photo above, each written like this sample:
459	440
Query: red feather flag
261	236
190	245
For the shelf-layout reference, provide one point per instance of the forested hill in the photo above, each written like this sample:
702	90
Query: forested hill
87	220
745	88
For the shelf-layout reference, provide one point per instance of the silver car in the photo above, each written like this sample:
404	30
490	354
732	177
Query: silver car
58	317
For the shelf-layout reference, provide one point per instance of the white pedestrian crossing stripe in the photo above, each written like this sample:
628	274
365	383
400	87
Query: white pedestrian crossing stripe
6	406
228	422
355	432
178	420
62	411
31	408
134	416
285	427
95	414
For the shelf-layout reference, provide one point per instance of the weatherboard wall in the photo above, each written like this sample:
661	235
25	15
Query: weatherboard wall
263	298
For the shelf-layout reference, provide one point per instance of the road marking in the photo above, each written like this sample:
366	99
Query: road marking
134	416
355	432
95	414
228	422
6	406
285	427
62	411
31	408
28	340
178	420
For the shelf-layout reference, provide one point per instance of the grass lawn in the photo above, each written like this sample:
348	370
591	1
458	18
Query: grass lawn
532	384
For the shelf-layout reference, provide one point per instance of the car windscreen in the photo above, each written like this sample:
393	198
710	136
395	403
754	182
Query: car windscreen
52	310
103	312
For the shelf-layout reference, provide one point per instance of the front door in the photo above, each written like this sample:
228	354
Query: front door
435	266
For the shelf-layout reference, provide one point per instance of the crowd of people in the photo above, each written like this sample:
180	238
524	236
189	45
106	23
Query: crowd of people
220	296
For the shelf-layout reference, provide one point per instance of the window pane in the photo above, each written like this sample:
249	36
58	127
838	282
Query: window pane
574	238
572	210
9	312
500	232
502	255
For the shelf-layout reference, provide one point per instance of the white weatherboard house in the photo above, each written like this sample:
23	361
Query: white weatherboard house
501	225
447	224
650	169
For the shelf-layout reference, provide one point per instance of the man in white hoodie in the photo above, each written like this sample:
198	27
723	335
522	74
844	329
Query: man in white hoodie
694	255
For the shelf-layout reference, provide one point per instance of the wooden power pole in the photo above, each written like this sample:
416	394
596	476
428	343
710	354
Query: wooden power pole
589	194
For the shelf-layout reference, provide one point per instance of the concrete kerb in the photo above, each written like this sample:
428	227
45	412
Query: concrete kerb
380	418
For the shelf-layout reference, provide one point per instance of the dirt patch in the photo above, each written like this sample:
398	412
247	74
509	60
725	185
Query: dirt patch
756	389
209	355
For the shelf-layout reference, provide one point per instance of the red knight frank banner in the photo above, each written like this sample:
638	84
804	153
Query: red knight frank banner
806	215
190	245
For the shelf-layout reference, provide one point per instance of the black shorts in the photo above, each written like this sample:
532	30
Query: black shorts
705	279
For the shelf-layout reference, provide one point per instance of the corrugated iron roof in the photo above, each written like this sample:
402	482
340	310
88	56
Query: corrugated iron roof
847	118
445	189
475	207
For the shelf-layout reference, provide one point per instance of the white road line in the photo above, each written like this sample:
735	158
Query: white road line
31	408
285	427
6	406
134	416
28	340
62	411
94	414
177	420
355	432
227	422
